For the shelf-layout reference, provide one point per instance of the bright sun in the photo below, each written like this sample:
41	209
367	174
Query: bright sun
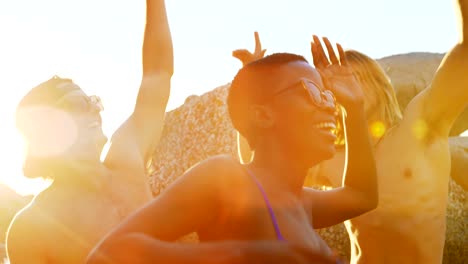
12	176
12	144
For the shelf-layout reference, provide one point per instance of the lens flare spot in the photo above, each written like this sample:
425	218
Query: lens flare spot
420	129
377	129
47	130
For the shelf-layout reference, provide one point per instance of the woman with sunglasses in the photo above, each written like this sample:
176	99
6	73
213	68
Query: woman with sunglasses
62	127
256	212
415	156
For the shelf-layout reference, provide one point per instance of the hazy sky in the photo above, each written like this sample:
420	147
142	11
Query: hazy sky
97	43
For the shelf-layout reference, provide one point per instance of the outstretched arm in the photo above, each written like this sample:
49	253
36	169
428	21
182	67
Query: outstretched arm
133	142
358	193
145	236
440	104
194	202
459	160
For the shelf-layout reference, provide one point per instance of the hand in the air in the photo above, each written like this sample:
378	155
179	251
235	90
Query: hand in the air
246	56
337	75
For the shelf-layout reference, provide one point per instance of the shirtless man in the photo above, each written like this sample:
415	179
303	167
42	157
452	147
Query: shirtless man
63	128
413	164
260	212
413	160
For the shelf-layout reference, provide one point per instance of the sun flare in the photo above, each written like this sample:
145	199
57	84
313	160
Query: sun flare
12	176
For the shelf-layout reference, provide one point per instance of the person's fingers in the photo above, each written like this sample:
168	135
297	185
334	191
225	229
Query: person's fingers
322	57
238	53
331	52
258	44
243	55
343	59
313	51
318	51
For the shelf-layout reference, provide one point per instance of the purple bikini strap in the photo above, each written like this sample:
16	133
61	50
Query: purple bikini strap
270	209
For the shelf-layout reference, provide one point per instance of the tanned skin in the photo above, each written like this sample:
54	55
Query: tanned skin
89	197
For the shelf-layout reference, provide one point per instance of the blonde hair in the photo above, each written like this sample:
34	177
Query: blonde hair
380	100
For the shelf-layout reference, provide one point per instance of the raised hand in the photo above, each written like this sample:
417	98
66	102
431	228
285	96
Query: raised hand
246	56
336	73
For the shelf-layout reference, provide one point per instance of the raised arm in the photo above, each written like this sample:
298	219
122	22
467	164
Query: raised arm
134	141
358	193
459	160
440	104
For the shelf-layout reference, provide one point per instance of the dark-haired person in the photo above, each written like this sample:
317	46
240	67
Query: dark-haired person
414	155
260	212
87	197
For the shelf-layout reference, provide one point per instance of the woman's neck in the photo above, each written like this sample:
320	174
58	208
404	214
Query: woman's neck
278	169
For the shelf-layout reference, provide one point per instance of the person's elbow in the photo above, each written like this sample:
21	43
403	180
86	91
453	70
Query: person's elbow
100	255
368	197
371	196
108	251
364	203
373	201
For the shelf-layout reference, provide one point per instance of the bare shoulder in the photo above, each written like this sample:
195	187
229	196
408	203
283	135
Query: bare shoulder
123	151
221	161
221	170
221	167
32	218
29	232
414	128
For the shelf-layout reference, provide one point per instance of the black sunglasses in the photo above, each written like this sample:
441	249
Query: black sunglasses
319	97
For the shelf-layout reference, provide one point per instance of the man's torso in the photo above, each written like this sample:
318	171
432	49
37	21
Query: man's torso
77	219
408	225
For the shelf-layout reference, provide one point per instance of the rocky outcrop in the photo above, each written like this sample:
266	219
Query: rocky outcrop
201	128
